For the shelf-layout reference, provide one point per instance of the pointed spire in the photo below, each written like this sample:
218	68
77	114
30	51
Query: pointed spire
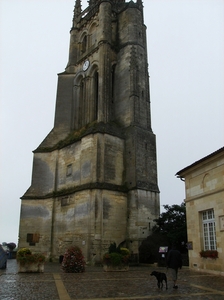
77	9
91	2
140	2
77	12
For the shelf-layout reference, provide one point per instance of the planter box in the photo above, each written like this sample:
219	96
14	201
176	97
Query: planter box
213	254
110	268
31	268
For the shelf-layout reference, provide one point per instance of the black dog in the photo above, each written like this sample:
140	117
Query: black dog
160	278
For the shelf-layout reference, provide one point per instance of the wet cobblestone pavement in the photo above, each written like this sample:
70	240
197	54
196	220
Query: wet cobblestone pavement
95	284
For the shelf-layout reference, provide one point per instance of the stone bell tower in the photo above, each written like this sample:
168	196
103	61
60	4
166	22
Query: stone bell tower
94	178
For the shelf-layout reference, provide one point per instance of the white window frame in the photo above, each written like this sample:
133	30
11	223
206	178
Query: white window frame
209	231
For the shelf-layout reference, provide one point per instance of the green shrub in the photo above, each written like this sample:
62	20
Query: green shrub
116	256
115	259
23	252
124	251
112	248
25	256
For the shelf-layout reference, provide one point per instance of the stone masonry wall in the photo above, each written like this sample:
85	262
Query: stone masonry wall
204	190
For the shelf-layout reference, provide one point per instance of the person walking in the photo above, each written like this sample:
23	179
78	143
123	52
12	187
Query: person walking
174	262
3	258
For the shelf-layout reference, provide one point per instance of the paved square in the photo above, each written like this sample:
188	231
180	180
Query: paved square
95	284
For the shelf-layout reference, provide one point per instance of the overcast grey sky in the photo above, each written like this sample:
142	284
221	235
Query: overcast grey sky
186	67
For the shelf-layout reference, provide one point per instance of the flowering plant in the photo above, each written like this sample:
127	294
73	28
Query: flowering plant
116	256
73	261
209	253
25	256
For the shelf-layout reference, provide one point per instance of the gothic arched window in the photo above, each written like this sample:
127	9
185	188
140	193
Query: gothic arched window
112	83
78	99
95	94
92	35
86	98
81	103
84	44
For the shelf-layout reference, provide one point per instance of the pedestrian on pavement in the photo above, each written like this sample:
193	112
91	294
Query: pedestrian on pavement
3	258
174	262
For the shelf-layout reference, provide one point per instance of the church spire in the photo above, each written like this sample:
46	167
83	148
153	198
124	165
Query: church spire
78	8
77	12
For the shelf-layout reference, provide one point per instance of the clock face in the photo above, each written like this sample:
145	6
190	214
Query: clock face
85	65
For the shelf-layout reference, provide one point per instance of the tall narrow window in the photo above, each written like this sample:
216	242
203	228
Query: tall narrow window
92	33
84	44
81	104
96	92
112	85
69	170
209	234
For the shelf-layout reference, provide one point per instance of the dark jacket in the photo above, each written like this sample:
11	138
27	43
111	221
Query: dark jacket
3	258
174	259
